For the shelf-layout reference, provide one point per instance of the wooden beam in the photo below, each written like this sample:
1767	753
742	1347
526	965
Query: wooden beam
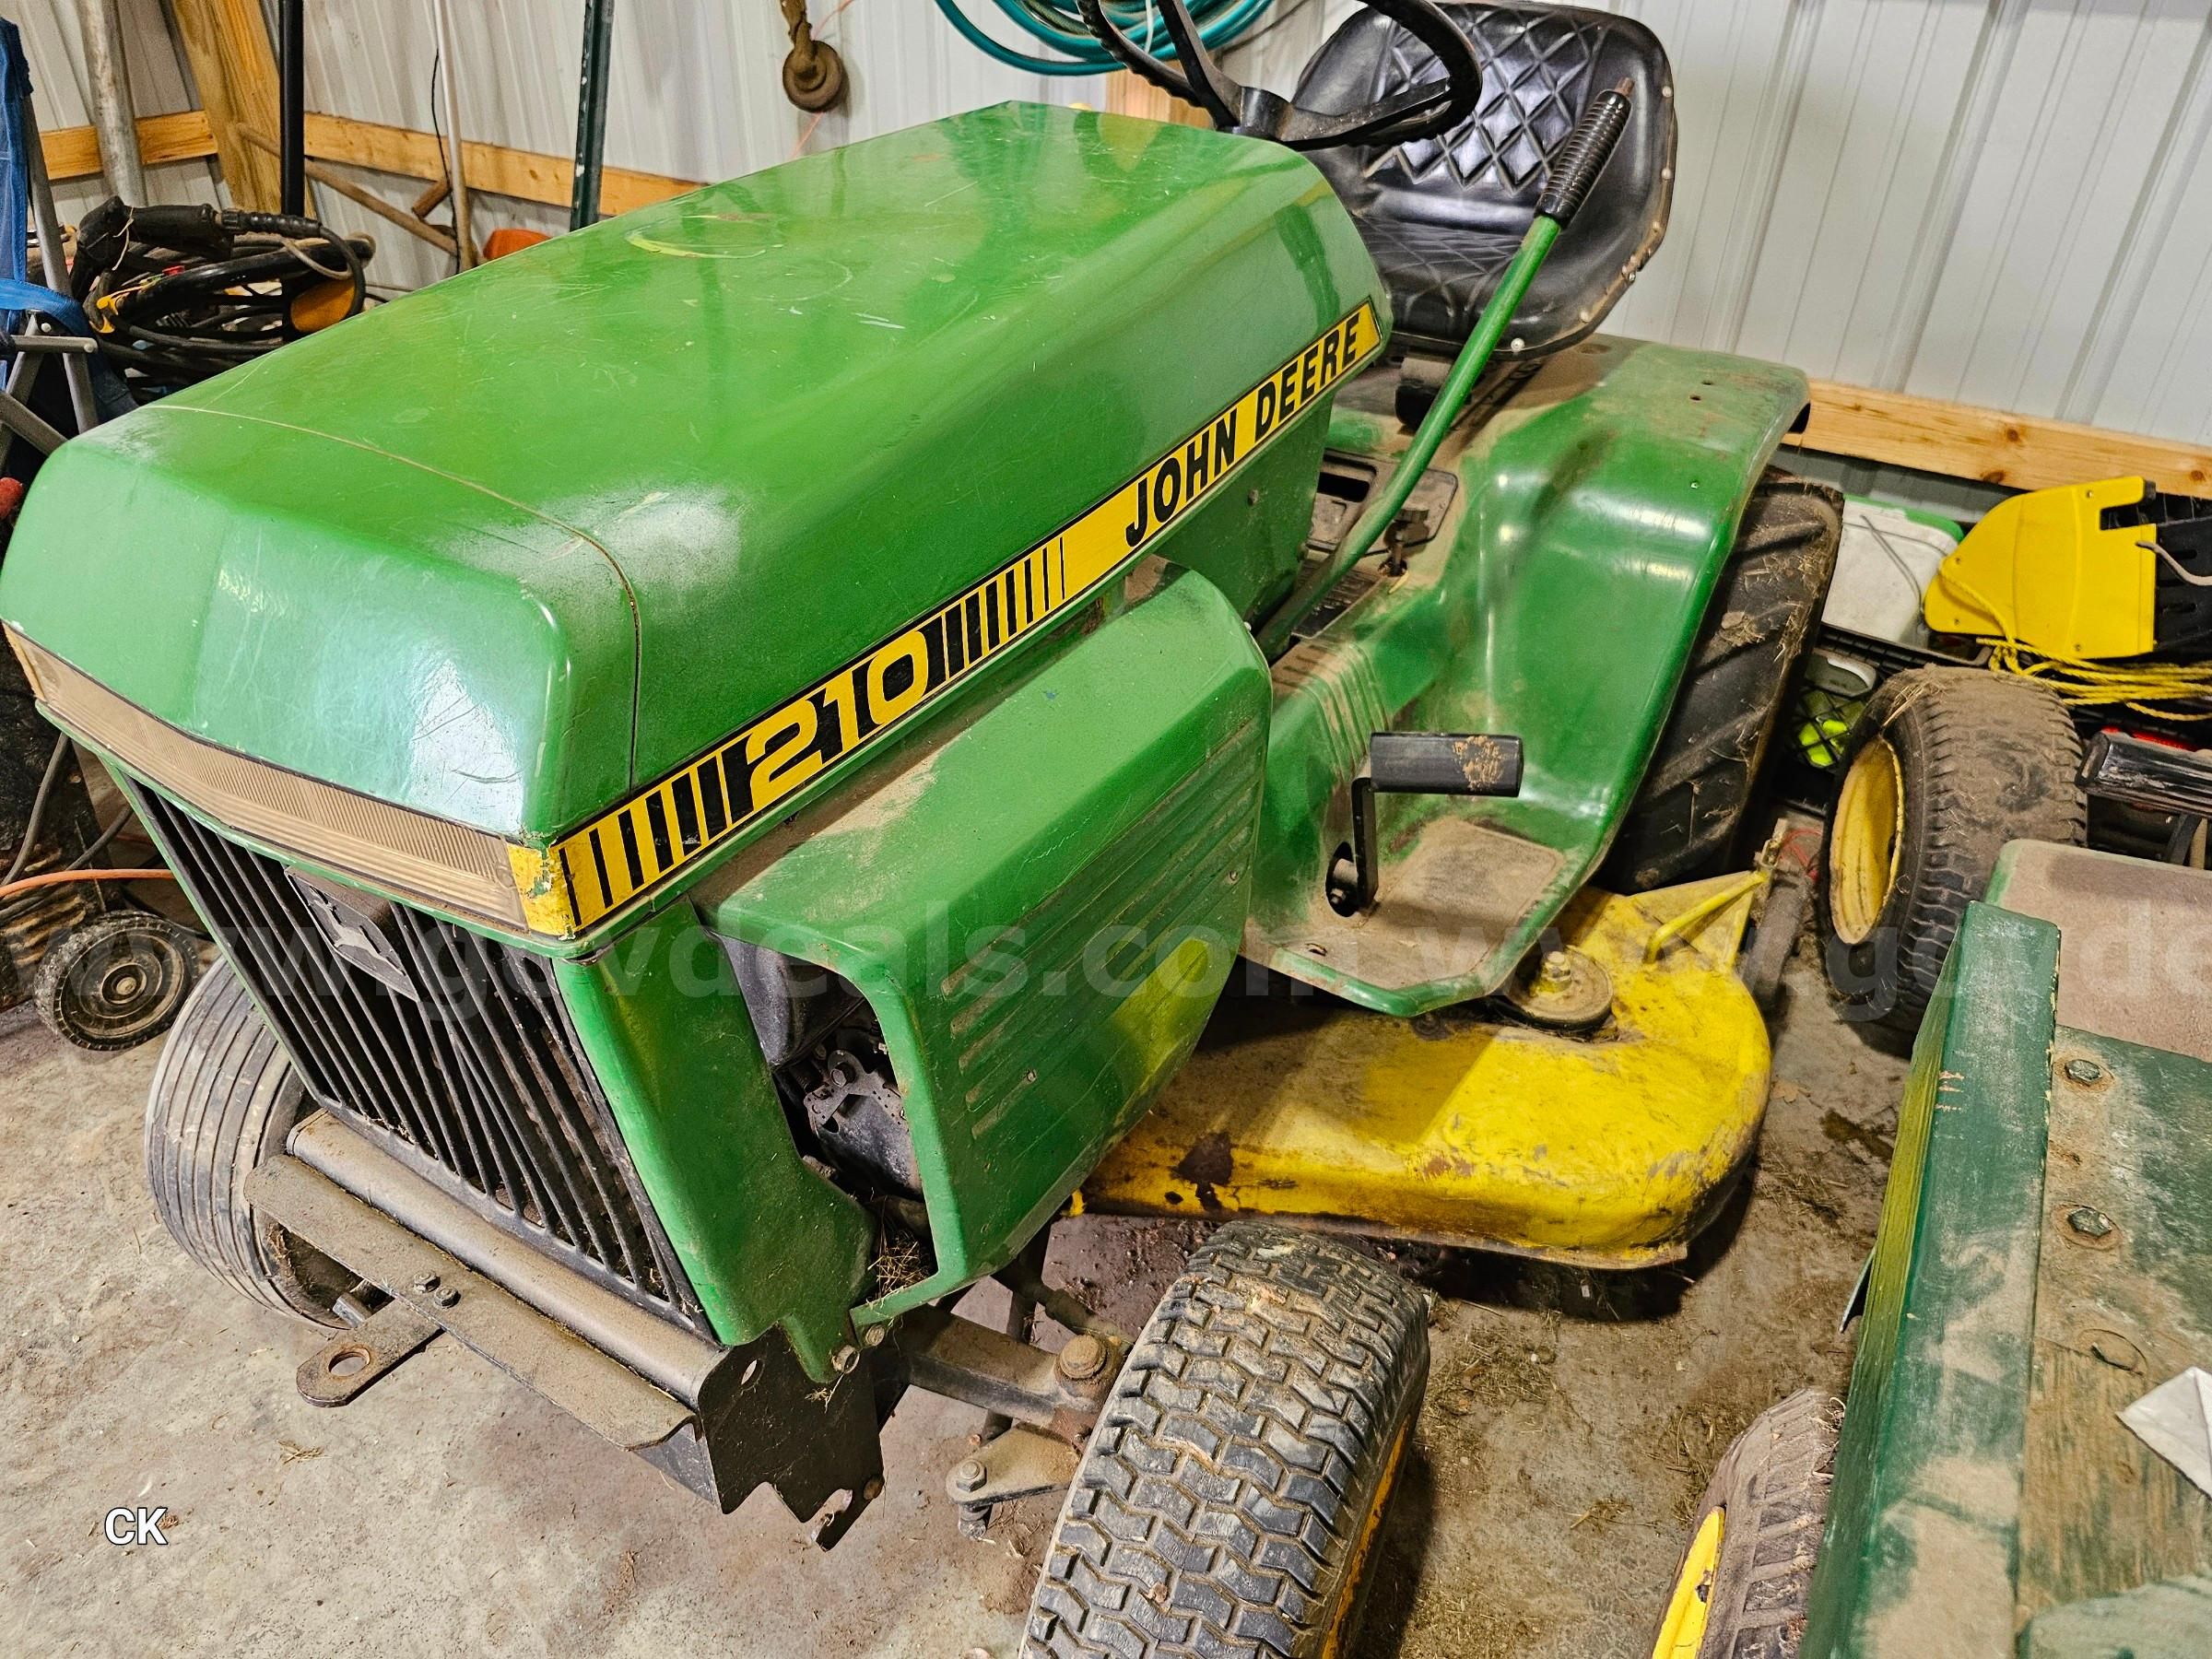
525	174
411	223
1128	94
227	43
2020	451
74	152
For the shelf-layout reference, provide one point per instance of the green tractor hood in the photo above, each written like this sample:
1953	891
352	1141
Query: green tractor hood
506	548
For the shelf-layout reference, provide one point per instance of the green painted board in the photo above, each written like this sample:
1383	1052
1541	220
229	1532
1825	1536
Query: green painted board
1922	1538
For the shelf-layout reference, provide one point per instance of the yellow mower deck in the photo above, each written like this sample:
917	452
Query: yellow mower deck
1608	1148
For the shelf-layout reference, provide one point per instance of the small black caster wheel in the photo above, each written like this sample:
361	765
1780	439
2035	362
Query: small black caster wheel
116	980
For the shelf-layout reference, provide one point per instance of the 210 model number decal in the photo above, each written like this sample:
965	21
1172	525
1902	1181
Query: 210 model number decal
634	848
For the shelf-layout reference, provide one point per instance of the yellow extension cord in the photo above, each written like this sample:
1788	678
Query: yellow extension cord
2138	685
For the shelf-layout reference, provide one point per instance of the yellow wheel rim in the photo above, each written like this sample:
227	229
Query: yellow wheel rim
1683	1631
1862	850
1347	1597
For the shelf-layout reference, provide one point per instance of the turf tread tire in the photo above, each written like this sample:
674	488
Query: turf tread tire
1686	814
223	1098
1773	1483
1223	1504
1985	758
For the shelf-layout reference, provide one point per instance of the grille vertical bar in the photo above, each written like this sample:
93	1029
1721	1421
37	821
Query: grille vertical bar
477	1082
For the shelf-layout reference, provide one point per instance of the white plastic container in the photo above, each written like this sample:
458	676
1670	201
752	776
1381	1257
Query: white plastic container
1884	565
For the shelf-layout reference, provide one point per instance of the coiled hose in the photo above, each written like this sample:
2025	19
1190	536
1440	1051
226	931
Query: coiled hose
1060	27
178	294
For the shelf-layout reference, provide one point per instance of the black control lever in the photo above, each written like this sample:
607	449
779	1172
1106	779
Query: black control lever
1449	763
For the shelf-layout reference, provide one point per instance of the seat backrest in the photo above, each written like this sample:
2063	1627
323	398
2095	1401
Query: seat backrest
1540	64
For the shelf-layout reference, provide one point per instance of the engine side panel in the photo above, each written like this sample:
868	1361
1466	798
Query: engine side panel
1042	908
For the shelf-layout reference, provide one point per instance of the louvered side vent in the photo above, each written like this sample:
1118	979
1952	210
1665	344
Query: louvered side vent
1084	947
452	1051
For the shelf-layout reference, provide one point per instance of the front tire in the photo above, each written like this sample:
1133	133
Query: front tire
223	1098
1233	1491
1742	1590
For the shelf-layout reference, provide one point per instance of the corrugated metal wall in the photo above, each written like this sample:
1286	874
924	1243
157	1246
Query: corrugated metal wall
159	84
696	86
2003	202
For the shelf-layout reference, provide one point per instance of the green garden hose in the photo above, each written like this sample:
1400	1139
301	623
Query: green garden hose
1220	23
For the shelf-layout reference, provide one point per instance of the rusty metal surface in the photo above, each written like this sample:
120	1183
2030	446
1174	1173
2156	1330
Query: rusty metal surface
1442	912
1018	1463
607	1396
677	1360
963	1361
339	1371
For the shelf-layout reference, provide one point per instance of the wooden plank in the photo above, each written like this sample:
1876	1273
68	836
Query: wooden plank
74	152
227	43
411	223
1128	94
525	174
2020	452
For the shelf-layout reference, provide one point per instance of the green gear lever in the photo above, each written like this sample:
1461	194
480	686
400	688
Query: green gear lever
1573	171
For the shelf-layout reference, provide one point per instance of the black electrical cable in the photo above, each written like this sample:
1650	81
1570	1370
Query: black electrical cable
445	166
37	808
178	294
100	842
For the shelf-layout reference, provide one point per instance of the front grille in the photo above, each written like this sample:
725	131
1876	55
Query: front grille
477	1081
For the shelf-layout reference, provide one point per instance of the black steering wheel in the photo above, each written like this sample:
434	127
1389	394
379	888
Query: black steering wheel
1420	112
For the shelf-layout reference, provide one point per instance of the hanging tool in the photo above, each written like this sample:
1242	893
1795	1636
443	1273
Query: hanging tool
814	76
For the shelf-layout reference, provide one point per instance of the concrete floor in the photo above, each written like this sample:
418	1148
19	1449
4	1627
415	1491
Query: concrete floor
1569	1425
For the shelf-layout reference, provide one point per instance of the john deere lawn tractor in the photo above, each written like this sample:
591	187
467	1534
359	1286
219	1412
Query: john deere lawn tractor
733	755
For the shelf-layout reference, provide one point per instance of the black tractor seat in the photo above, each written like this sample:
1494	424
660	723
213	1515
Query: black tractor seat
1442	216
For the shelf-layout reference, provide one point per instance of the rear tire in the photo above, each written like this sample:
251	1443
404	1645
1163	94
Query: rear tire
223	1098
1975	759
1684	819
1771	1492
1233	1491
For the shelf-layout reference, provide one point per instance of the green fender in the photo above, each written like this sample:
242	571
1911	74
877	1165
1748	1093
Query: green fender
1559	602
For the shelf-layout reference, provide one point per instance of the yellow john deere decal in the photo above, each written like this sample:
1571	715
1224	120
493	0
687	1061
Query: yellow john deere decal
641	844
